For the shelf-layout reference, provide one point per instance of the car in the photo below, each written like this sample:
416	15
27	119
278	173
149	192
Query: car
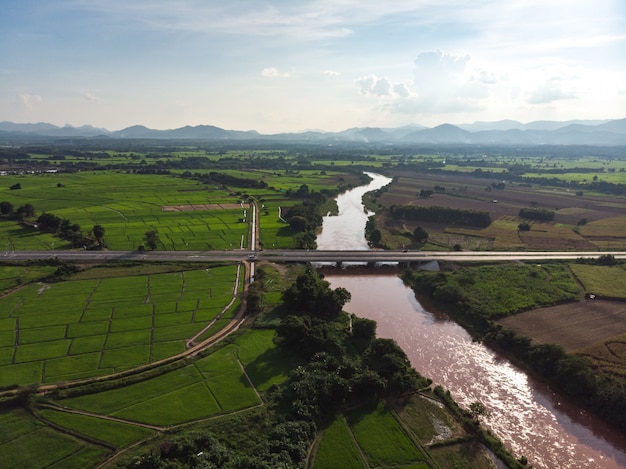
251	257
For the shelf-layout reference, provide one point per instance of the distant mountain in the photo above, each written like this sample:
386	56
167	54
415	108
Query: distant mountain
508	124
498	125
444	133
505	132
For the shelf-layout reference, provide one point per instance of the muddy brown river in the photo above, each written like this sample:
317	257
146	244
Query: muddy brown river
525	414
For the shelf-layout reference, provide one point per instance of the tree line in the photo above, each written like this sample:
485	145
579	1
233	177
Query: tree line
439	214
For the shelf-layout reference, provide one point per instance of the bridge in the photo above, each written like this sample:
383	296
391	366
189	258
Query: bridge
335	257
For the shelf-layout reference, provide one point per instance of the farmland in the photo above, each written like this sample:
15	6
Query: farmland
83	328
186	214
115	318
421	431
582	221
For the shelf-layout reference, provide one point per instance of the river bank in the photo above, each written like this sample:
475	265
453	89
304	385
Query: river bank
528	416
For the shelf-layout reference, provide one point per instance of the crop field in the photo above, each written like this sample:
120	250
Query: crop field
13	276
83	328
338	448
382	439
574	326
423	432
603	281
212	385
265	364
590	221
117	434
593	328
126	205
26	442
186	214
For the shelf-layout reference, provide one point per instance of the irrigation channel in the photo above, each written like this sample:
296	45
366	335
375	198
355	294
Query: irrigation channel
525	414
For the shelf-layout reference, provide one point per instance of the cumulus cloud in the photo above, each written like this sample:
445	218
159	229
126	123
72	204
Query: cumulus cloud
28	100
375	86
442	83
272	72
550	91
331	73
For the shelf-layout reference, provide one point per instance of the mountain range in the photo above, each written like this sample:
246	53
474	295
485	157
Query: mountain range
504	132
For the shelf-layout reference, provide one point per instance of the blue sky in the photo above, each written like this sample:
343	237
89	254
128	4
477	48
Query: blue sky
291	65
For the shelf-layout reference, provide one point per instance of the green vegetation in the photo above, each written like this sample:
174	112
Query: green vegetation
95	327
337	447
115	433
603	281
259	399
492	291
381	438
475	296
26	442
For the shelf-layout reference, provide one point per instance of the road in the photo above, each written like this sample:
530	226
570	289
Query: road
303	256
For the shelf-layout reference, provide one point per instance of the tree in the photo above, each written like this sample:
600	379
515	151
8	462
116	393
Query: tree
420	236
6	208
523	227
477	410
48	223
152	239
376	237
98	232
310	294
298	223
26	211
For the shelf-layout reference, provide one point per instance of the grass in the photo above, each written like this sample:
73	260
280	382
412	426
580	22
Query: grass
602	280
25	442
500	290
115	433
381	437
212	385
265	363
337	448
223	375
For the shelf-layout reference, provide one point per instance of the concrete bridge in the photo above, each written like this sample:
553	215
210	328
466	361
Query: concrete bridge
335	257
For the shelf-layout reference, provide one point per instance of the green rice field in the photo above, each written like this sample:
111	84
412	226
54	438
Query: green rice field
26	442
212	385
83	328
187	215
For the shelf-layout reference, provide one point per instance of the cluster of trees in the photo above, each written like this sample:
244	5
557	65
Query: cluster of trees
604	259
22	212
536	214
438	214
305	217
50	223
229	180
344	364
342	349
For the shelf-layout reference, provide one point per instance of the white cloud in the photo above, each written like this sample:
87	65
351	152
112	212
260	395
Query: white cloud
442	83
272	72
331	73
92	97
28	100
550	91
381	87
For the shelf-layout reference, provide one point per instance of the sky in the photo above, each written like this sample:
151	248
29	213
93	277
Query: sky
294	65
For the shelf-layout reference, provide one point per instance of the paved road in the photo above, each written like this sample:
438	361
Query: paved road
302	256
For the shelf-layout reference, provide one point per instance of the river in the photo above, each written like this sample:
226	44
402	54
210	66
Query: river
525	414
